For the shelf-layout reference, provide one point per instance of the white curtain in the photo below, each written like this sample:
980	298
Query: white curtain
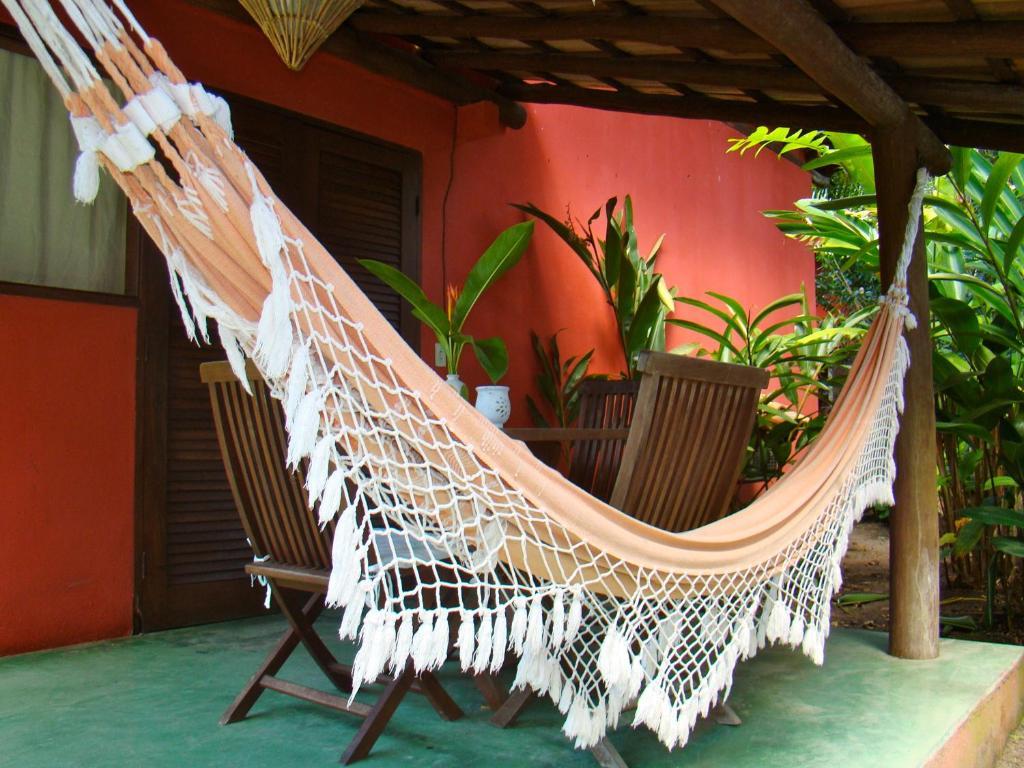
46	237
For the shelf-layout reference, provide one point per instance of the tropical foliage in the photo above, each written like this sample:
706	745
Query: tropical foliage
558	382
974	218
448	322
803	353
635	291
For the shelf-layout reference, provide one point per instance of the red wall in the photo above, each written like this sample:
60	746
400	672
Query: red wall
67	511
67	464
682	184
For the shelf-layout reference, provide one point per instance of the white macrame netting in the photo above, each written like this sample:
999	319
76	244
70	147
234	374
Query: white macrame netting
447	532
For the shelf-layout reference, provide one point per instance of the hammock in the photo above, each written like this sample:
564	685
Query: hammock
602	611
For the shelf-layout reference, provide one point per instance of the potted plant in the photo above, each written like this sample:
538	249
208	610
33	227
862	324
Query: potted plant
448	322
637	294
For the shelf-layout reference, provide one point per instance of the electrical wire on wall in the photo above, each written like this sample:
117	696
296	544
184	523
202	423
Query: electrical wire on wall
444	202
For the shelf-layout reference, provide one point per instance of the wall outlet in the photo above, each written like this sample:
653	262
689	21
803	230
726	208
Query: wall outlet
439	359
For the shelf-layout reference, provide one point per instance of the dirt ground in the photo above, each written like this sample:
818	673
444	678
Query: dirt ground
866	569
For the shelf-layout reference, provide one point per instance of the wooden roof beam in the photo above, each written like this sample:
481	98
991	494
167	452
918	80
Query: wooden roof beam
950	94
693	107
797	30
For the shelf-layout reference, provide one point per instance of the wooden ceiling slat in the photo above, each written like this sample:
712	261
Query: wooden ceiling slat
982	39
685	33
951	93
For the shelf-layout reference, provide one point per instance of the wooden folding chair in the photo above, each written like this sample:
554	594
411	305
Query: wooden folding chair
678	469
294	556
605	404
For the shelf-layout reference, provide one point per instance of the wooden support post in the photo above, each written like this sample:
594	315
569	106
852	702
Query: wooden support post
914	525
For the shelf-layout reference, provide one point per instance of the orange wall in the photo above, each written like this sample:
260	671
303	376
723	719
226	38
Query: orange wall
67	464
67	509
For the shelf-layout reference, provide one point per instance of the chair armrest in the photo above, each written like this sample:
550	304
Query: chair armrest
565	434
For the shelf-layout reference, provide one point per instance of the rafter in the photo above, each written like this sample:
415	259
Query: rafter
693	107
797	30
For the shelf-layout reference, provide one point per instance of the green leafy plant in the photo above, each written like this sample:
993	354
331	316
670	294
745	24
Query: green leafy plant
985	529
559	383
634	290
800	350
448	322
974	220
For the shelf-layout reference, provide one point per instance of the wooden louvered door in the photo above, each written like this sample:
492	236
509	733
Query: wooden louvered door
359	197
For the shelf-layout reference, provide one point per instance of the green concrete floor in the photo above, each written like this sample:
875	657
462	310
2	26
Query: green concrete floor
155	701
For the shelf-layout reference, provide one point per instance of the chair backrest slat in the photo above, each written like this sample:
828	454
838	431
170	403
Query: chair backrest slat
604	404
271	501
691	425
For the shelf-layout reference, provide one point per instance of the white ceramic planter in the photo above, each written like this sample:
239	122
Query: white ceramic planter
493	402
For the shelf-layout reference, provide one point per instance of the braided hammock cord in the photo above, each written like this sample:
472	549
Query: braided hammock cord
603	612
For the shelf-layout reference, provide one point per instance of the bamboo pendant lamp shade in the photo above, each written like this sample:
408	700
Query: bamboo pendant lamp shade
296	28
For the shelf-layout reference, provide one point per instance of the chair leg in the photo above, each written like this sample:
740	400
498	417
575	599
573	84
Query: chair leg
514	705
438	697
377	720
302	622
271	664
494	695
606	755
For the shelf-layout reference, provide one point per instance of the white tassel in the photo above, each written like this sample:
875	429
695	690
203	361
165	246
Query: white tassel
613	661
565	698
636	679
812	645
558	621
90	136
796	631
422	653
353	613
305	427
86	181
383	648
483	645
746	634
519	625
652	706
403	645
499	641
234	352
575	620
440	640
368	641
319	464
298	377
778	622
345	559
466	641
274	333
535	626
331	499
